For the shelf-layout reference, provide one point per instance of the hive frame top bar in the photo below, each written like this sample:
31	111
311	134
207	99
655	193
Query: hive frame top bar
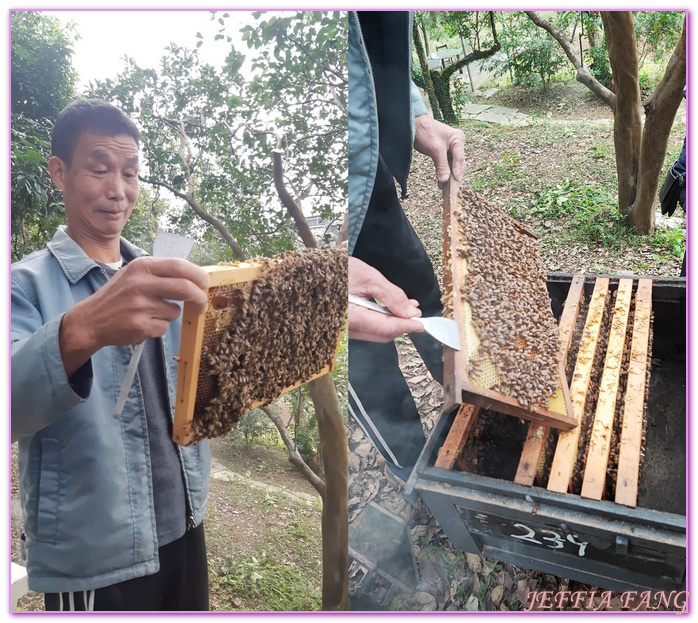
457	389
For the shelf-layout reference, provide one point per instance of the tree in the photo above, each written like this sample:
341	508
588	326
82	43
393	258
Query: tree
42	83
640	148
528	55
422	50
466	24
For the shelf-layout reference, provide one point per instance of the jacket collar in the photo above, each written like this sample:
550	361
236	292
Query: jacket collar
75	262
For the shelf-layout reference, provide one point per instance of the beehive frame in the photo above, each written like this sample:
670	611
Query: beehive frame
596	447
458	387
232	281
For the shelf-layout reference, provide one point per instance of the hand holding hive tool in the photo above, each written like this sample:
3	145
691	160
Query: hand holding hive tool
164	245
445	330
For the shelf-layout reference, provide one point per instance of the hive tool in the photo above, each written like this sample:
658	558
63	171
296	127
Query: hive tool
164	245
445	330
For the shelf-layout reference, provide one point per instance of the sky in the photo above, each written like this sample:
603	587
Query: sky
105	37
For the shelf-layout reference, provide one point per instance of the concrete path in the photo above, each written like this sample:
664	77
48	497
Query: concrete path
495	114
220	472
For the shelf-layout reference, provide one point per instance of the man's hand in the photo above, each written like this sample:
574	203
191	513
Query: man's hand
134	305
443	144
364	324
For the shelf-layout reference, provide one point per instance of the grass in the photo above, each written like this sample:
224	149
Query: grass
269	583
560	179
272	559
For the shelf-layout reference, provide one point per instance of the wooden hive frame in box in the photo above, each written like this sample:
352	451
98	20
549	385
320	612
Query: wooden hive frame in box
476	388
626	337
250	338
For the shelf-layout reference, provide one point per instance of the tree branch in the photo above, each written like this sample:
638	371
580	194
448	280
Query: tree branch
583	74
290	204
209	218
293	455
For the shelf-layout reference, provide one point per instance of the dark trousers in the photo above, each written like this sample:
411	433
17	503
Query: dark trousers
181	584
379	398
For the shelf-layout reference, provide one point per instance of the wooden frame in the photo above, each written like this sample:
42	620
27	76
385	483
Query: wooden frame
241	275
602	430
538	434
566	450
631	433
457	389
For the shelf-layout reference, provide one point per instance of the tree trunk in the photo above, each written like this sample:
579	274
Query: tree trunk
593	33
334	448
423	27
640	151
627	109
335	513
660	111
442	90
442	79
428	84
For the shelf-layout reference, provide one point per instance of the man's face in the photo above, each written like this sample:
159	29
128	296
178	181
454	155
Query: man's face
101	186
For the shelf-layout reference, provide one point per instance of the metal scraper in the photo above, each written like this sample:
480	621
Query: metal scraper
164	245
443	329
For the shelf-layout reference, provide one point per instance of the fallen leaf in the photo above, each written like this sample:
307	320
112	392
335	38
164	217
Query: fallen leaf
474	562
497	594
472	605
424	601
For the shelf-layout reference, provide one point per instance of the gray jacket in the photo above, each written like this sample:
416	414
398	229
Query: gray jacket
85	477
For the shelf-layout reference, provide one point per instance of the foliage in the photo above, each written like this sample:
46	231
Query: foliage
473	26
657	32
305	431
42	78
599	65
591	218
276	585
143	222
211	132
253	426
340	372
589	211
528	55
42	83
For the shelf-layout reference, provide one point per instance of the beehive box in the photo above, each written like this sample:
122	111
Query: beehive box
271	326
496	500
494	288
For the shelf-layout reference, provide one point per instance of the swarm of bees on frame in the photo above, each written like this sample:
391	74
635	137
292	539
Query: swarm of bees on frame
263	339
505	286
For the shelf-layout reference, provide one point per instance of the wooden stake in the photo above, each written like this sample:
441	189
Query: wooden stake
538	434
602	430
566	450
631	433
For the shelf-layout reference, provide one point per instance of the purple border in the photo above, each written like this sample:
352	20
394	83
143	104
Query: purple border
689	327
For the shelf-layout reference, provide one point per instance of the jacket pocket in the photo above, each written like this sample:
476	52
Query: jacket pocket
49	491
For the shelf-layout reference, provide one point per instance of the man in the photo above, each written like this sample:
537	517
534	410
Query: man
112	508
387	119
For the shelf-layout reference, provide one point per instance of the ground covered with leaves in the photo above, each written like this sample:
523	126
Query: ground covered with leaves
557	176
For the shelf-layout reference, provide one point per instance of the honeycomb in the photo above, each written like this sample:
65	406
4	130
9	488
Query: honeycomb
265	336
512	336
